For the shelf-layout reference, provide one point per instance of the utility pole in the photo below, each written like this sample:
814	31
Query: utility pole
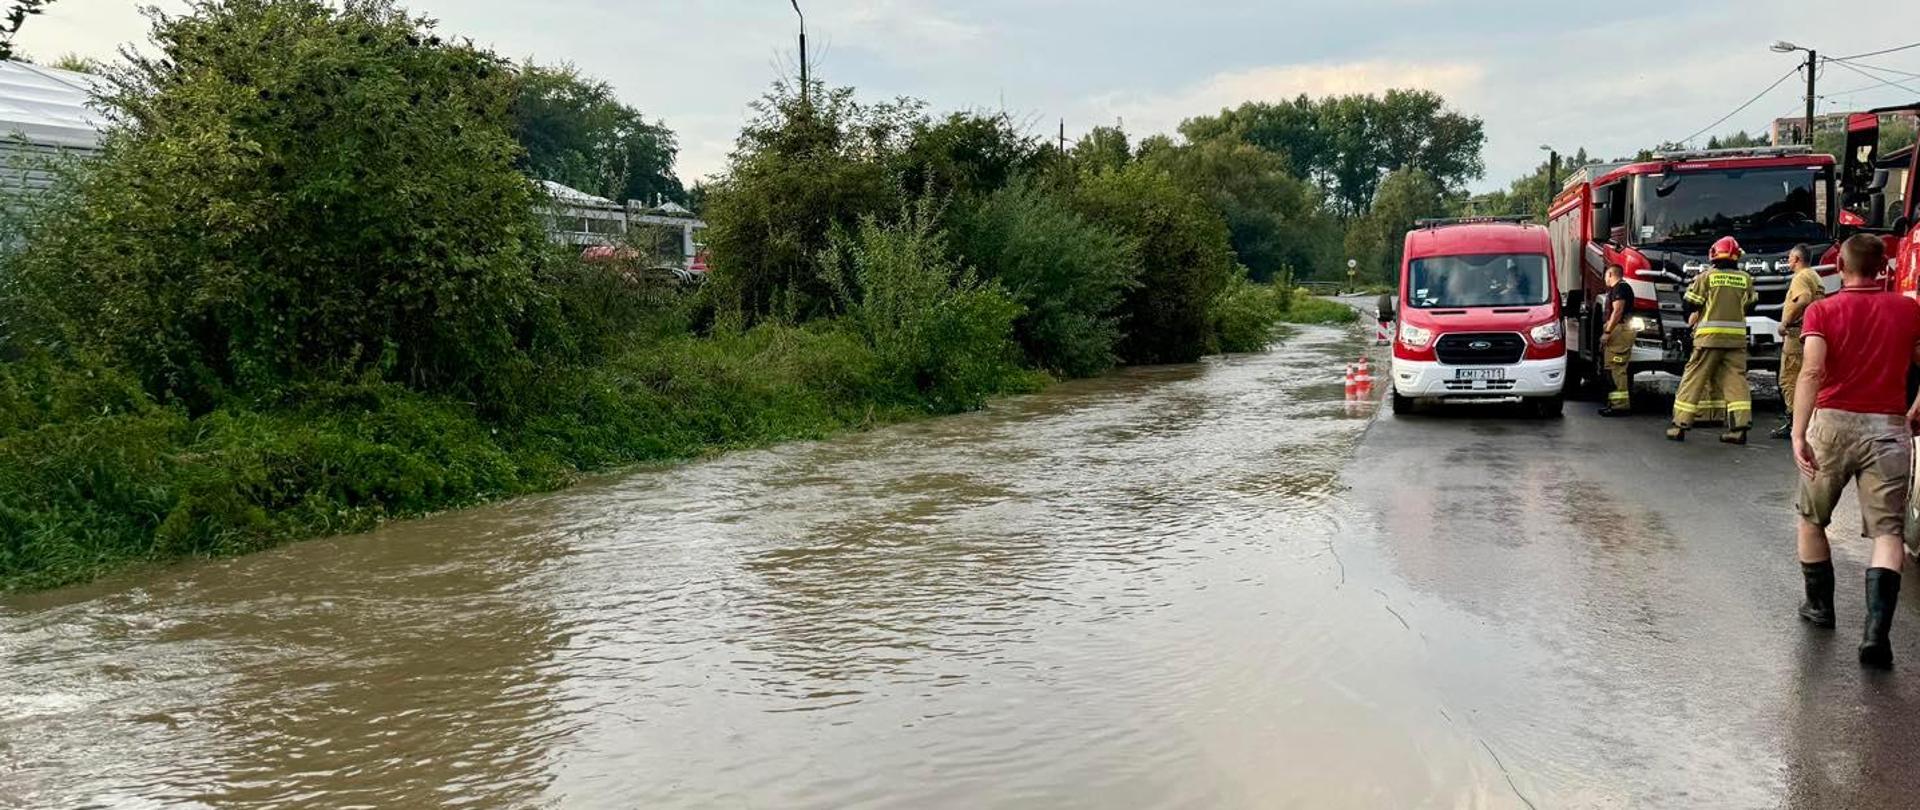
1063	136
1553	176
804	78
1813	62
1813	70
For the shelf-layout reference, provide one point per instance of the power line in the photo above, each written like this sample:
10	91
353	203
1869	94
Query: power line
1879	69
1877	53
1895	85
1750	102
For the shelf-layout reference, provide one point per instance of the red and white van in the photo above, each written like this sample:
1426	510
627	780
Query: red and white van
1479	315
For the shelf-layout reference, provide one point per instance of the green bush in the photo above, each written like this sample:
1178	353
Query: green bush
1070	273
942	335
298	190
1310	309
801	169
1244	316
1186	261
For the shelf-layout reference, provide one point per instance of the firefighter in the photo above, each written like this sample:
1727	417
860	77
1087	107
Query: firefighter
1802	292
1717	302
1616	340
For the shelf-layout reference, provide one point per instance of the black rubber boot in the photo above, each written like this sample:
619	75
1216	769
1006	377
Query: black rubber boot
1676	433
1883	595
1611	412
1818	609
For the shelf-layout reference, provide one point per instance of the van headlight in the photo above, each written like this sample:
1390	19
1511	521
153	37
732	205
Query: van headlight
1546	333
1414	337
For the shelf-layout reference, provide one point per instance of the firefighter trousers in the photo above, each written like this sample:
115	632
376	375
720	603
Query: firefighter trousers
1725	366
1793	354
1619	353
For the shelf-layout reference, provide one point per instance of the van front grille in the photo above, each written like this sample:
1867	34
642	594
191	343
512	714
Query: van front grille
1480	349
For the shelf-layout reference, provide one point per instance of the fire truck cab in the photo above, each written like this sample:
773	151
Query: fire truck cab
1479	315
1657	218
1880	194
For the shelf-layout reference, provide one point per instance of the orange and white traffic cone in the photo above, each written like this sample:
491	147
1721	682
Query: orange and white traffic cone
1363	377
1353	383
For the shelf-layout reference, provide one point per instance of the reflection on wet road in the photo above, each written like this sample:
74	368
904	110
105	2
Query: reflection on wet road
1202	586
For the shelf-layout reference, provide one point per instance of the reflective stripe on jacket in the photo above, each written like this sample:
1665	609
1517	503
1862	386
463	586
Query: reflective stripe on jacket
1723	297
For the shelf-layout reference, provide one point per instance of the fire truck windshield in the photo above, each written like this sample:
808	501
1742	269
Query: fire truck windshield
1489	280
1775	206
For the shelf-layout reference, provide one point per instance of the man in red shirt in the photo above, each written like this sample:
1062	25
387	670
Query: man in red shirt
1852	422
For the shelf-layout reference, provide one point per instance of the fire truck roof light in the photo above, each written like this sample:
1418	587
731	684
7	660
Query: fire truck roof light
1429	224
1753	151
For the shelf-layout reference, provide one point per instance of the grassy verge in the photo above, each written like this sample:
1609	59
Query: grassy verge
1308	309
93	477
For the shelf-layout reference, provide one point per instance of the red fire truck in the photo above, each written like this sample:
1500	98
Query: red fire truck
1657	218
1880	194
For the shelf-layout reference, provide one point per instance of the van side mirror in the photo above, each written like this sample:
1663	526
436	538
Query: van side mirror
1574	300
1385	313
1903	225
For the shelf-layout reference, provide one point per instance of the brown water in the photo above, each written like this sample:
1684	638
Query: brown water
1121	592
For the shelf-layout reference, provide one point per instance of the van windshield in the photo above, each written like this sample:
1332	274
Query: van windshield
1484	280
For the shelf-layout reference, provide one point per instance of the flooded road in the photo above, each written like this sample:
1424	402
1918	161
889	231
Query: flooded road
1206	586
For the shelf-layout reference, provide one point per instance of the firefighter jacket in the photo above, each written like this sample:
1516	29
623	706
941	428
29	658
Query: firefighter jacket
1722	298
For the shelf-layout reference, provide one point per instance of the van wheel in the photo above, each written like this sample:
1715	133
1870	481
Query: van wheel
1549	407
1402	405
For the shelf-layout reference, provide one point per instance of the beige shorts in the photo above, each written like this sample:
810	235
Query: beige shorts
1875	452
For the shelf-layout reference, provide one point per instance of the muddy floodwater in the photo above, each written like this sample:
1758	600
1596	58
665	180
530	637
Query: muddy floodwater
1215	585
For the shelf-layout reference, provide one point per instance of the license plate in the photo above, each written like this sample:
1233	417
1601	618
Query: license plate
1480	374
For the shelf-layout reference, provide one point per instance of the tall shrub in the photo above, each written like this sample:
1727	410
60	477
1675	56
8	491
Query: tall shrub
296	189
1185	257
1070	273
943	335
802	168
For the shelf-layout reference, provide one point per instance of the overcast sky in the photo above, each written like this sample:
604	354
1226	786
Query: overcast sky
1612	76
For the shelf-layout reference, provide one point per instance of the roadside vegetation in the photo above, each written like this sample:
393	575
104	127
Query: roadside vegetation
306	288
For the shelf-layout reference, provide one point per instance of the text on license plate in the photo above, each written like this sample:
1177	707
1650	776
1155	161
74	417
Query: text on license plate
1480	374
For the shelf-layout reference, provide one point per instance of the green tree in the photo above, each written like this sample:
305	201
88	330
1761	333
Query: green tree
16	18
1276	221
800	170
1894	135
1103	149
1186	259
77	63
1405	196
576	132
965	155
1069	272
1348	144
943	335
1738	140
293	190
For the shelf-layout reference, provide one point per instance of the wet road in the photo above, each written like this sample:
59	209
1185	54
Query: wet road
1206	586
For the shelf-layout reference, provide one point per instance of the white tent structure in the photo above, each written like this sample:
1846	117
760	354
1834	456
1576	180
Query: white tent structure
575	217
43	117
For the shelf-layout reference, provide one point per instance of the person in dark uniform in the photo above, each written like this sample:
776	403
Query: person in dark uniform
1616	342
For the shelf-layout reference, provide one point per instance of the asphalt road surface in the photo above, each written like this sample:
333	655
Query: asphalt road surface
1618	612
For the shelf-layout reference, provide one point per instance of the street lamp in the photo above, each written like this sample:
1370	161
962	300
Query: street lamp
803	50
1813	61
1553	171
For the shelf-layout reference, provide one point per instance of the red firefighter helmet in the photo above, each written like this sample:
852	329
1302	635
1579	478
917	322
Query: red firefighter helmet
1727	249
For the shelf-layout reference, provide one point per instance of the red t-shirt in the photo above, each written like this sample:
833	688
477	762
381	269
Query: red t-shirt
1870	337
